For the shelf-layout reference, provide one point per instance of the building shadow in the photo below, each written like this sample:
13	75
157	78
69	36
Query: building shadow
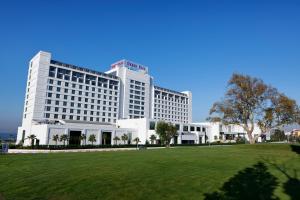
251	183
295	148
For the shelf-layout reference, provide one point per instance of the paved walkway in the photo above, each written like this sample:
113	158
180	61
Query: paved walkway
32	151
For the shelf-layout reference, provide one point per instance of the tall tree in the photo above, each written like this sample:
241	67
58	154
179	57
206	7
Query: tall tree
32	138
247	102
166	132
55	138
152	138
280	111
136	140
64	138
278	136
83	138
92	138
124	138
116	139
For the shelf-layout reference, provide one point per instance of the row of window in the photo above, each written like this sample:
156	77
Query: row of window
136	112
79	94
72	98
137	82
171	112
182	100
78	111
171	103
81	87
69	75
79	118
80	105
171	116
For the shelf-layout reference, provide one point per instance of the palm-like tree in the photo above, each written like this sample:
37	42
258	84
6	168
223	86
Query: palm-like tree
124	138
92	138
83	137
31	137
63	138
136	140
55	139
152	139
116	139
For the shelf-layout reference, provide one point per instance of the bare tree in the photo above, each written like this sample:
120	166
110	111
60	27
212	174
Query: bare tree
249	101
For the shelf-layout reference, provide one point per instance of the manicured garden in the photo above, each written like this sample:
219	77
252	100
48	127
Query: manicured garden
263	171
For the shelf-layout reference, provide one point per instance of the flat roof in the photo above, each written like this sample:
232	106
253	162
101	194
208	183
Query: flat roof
168	90
83	69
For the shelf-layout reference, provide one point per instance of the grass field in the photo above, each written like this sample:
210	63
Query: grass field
178	173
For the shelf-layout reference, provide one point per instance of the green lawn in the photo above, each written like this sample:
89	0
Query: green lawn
177	173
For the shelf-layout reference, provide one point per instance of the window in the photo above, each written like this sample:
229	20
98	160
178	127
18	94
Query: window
52	71
192	128
185	128
152	126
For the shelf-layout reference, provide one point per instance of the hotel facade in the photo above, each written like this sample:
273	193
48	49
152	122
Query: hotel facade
64	99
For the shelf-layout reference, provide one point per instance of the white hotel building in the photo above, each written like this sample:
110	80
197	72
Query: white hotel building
66	99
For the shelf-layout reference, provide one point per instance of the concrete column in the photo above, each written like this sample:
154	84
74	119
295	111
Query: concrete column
67	133
98	142
100	137
48	136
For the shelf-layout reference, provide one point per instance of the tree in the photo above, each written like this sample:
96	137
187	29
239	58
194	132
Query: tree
55	139
278	136
64	138
136	140
166	132
280	111
249	101
83	138
92	138
124	138
152	138
31	137
116	139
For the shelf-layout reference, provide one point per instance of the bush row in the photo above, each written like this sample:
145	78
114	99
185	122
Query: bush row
61	147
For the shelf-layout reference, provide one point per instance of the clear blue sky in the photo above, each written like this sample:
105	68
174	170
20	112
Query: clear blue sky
188	45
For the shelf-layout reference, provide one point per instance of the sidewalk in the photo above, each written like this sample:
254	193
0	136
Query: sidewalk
33	151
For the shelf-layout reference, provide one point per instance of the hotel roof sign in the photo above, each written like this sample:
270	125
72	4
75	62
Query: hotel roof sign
130	65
